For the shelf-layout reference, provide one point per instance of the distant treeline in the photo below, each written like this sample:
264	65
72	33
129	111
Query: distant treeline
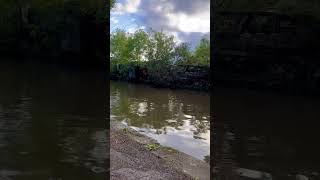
155	58
155	51
54	28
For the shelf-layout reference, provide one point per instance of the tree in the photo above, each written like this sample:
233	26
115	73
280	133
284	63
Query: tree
159	54
119	47
182	54
112	3
139	41
202	52
160	47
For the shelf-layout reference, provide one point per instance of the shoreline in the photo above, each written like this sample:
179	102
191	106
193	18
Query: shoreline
154	85
136	155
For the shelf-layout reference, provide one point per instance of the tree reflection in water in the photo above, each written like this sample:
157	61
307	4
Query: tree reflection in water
169	114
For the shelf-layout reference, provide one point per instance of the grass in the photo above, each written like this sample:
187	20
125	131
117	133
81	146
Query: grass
125	130
153	147
169	149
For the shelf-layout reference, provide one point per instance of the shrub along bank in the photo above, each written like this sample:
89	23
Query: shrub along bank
154	57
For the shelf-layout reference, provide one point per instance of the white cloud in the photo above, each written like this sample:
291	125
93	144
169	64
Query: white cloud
134	29
175	36
130	6
142	27
131	30
190	23
186	20
114	20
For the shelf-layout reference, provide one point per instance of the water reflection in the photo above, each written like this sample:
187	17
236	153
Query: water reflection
268	133
51	123
179	119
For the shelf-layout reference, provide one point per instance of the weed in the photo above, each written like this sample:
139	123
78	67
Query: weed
153	147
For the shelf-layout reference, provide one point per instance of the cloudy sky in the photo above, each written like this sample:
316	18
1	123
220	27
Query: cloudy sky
187	20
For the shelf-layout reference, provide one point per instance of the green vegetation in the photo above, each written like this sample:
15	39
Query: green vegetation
153	147
125	130
207	159
112	3
169	149
156	51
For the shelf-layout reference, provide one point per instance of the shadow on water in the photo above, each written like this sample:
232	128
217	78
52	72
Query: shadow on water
179	119
266	132
52	122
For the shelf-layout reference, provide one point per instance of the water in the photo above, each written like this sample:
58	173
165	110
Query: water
52	122
178	119
272	133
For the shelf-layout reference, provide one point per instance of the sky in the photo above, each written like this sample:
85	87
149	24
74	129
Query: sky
187	20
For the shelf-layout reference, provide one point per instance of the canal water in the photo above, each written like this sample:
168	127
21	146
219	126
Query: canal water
176	118
265	132
52	122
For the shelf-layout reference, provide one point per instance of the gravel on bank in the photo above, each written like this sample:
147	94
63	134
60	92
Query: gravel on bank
131	159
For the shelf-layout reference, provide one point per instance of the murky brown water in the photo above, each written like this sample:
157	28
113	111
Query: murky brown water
266	132
52	122
175	118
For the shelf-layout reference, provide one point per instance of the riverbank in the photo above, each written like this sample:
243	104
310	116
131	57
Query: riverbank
136	156
173	77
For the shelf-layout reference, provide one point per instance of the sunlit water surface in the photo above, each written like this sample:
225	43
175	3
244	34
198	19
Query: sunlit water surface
175	118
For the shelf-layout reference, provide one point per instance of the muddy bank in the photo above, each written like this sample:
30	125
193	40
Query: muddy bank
175	77
135	156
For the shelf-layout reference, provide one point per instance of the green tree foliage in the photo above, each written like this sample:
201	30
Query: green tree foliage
154	50
182	54
127	49
202	52
159	54
112	3
118	49
138	45
160	47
